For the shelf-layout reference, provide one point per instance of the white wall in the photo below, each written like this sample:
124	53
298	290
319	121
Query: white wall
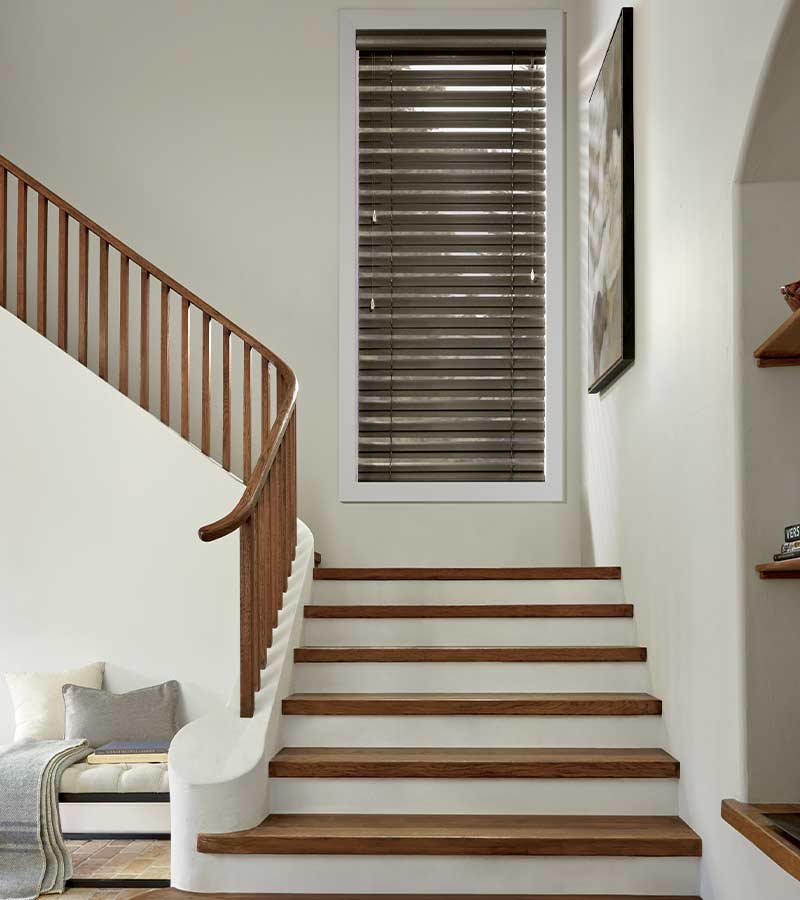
205	134
99	554
661	447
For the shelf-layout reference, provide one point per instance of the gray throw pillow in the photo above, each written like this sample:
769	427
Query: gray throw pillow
99	717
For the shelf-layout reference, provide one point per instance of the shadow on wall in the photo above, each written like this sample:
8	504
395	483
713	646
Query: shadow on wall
767	239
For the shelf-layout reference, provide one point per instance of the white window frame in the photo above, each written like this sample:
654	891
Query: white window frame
552	488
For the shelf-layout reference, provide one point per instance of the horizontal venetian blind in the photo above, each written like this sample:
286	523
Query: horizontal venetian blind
451	256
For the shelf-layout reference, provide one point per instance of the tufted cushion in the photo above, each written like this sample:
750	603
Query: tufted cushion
121	778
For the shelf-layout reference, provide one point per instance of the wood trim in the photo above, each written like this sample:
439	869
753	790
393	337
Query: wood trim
468	654
749	820
471	611
768	363
573	573
490	762
431	835
118	883
176	894
430	704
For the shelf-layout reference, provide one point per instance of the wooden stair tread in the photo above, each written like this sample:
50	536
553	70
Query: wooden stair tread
470	611
472	762
176	894
437	835
468	654
502	704
536	573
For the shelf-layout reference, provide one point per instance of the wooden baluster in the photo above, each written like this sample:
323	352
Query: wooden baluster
293	482
257	623
280	483
83	294
226	399
103	316
22	250
3	235
246	679
269	613
265	411
247	438
184	368
164	405
41	268
205	442
274	551
266	608
124	287
63	276
144	343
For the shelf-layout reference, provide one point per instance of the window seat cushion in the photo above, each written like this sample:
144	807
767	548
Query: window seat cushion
120	778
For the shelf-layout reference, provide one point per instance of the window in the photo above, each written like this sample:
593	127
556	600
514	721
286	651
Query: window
452	367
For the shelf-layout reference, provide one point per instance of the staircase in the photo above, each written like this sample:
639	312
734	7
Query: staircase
122	316
470	733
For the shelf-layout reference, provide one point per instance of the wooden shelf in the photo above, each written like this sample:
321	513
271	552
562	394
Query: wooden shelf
788	568
782	347
749	820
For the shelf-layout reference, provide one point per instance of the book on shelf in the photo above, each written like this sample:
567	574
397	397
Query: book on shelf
791	533
130	752
792	554
790	546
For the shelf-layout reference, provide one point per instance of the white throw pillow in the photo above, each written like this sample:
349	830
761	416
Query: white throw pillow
38	703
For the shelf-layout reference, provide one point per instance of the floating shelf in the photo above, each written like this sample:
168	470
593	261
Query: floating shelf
749	820
787	568
782	347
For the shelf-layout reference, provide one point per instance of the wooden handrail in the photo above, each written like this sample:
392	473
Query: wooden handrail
266	514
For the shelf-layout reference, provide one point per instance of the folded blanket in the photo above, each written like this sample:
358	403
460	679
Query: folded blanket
33	857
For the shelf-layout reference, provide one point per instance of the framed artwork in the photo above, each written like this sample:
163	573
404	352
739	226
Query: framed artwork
610	213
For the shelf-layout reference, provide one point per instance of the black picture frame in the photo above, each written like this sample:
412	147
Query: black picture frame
611	275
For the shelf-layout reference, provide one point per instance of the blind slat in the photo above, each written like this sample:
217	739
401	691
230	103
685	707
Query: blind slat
452	256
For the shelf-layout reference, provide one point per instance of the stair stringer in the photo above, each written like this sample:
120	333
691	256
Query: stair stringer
219	764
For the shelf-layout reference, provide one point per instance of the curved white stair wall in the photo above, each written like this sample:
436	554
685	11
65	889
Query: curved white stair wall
99	553
219	763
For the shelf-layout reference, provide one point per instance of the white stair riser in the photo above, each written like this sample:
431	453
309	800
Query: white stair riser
468	592
476	796
467	632
452	875
472	731
469	677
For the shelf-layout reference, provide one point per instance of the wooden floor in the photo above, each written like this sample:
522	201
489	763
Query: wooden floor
174	894
538	573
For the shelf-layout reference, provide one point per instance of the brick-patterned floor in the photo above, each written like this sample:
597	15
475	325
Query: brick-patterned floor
103	893
118	859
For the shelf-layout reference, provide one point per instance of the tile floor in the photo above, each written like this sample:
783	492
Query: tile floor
118	859
103	893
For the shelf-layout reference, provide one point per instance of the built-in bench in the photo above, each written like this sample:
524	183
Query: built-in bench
122	799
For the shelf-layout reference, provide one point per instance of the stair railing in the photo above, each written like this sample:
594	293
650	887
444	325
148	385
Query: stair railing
266	514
